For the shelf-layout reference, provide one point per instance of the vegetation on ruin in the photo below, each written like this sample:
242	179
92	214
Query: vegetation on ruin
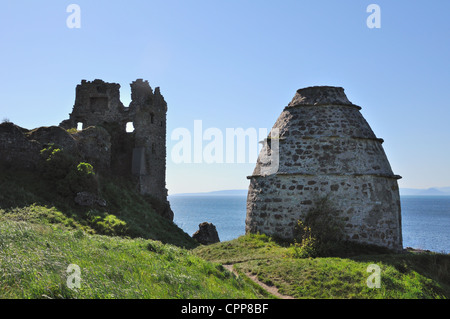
320	232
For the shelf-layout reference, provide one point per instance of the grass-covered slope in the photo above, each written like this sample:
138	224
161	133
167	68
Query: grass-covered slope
127	250
35	258
123	250
408	275
27	196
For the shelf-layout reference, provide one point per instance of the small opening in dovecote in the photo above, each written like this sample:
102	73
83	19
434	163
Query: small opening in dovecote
129	128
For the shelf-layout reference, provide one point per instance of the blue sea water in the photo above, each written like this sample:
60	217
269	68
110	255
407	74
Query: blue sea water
425	219
226	212
426	222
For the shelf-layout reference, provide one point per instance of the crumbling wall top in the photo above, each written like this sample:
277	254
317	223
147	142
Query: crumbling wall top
320	95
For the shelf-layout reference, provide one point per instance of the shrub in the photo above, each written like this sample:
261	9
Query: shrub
307	247
85	169
72	130
319	232
82	178
69	178
56	163
106	224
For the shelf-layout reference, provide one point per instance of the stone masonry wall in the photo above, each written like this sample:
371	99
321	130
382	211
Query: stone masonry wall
370	213
326	148
141	153
103	139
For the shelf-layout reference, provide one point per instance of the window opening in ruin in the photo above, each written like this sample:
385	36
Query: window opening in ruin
152	118
125	97
153	149
129	127
80	126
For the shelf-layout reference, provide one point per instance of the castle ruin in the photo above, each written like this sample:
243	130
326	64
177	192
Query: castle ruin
142	152
326	148
97	132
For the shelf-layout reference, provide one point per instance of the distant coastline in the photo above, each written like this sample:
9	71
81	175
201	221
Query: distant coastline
229	192
433	191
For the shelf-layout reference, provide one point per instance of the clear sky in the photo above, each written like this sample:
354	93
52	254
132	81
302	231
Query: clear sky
236	64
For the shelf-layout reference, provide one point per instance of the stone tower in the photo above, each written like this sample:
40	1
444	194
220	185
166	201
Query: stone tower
325	148
140	153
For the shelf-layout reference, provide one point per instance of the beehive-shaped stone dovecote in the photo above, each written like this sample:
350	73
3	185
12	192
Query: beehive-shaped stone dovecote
325	148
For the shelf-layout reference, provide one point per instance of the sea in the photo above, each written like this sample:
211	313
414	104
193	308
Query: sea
425	219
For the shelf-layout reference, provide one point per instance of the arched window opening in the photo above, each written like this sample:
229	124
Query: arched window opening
80	126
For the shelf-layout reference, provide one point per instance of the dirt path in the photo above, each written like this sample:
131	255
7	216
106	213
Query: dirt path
271	289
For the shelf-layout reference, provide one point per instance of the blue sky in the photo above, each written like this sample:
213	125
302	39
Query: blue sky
237	64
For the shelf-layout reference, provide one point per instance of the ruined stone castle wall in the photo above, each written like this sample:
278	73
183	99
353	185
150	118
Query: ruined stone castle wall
141	153
150	139
326	148
16	148
103	139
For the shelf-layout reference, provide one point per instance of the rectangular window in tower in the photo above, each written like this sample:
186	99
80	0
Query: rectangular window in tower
129	127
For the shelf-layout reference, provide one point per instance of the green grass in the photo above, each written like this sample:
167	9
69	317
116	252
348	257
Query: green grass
34	260
127	250
409	275
26	196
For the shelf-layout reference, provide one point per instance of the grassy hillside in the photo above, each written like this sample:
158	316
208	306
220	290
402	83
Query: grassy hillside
127	250
124	250
26	196
35	259
409	275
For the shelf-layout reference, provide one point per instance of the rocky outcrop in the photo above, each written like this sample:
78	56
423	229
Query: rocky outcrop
89	199
207	234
